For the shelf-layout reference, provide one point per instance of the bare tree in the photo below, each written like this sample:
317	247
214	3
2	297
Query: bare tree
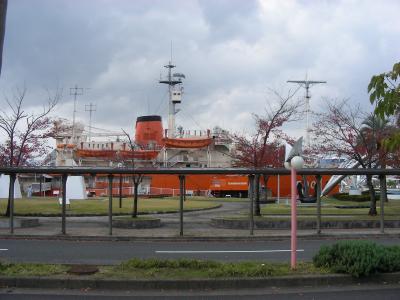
263	148
137	178
348	131
26	133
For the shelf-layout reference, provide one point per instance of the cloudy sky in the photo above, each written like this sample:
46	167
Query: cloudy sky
231	51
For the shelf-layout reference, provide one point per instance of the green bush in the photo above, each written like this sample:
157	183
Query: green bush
152	263
390	260
243	269
3	266
358	258
364	197
212	269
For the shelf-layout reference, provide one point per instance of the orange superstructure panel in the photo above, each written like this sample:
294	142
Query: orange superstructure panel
193	182
233	183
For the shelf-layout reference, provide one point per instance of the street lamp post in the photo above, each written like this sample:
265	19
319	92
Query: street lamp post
294	162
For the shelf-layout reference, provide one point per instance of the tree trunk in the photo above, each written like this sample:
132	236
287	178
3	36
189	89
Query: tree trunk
305	187
382	183
265	178
135	198
7	214
372	207
257	210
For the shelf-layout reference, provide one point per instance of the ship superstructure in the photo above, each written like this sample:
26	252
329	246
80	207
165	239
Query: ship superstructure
151	145
154	146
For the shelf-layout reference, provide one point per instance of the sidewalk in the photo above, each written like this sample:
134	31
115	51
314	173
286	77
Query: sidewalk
196	226
193	228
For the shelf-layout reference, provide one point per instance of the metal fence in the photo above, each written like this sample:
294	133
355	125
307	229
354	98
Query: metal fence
181	172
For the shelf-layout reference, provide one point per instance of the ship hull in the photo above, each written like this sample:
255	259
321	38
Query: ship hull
212	185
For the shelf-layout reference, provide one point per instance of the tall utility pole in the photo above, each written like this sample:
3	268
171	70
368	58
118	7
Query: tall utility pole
75	91
3	14
90	108
307	84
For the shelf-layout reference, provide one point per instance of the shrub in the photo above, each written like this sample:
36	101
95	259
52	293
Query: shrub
364	197
3	266
358	258
153	263
244	269
390	260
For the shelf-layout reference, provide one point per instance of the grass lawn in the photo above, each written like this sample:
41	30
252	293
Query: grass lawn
215	199
313	218
167	269
99	206
392	208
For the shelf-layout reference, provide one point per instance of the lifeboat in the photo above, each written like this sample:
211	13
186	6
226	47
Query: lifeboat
187	142
68	146
95	153
124	154
139	154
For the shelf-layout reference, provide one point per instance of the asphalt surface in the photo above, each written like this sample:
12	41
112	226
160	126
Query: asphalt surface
352	292
113	252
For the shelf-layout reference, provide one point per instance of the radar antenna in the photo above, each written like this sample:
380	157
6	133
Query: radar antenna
307	84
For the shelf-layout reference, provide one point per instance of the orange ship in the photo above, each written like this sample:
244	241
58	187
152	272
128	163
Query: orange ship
176	148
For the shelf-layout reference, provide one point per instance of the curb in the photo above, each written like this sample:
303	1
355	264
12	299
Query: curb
59	215
244	223
326	236
195	284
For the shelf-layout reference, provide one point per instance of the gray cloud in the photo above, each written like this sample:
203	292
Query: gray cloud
230	51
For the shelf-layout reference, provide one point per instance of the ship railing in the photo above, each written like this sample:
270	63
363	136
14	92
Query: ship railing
191	133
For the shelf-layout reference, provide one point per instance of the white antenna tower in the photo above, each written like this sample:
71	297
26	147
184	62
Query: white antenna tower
175	91
90	108
307	84
75	91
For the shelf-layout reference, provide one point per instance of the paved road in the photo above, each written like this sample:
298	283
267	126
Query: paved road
326	293
112	252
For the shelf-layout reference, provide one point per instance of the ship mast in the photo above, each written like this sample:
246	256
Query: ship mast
174	96
307	84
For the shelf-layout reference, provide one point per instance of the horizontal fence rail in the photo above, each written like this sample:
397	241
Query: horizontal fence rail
189	171
181	172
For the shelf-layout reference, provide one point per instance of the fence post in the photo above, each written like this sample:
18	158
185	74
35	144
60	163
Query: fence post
120	191
318	187
11	196
251	197
382	185
181	197
40	185
63	203
184	188
110	184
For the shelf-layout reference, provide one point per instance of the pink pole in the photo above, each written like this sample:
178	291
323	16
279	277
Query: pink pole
293	219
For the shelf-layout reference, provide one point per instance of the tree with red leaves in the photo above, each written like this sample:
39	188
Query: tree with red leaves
351	133
264	148
26	133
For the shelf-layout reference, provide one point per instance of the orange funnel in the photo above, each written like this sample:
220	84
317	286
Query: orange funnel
149	131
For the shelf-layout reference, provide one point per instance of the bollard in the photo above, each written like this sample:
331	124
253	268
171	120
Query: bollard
64	203
181	199
251	197
110	185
